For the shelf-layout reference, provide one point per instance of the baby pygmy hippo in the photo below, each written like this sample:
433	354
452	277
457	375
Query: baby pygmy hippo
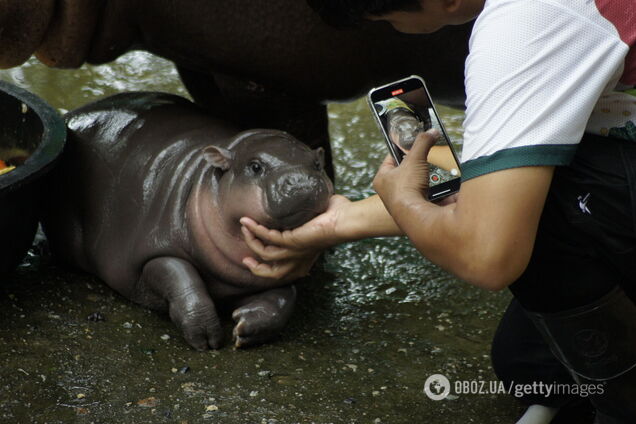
149	195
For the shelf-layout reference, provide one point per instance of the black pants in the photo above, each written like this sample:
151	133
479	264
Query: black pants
585	246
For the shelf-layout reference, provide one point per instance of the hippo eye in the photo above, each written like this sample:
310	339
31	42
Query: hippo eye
255	167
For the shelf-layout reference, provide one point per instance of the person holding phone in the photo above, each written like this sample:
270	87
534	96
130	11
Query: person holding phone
548	194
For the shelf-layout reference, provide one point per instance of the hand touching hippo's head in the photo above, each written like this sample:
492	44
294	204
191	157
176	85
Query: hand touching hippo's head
270	176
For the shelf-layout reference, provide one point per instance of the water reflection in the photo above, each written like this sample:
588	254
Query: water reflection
69	89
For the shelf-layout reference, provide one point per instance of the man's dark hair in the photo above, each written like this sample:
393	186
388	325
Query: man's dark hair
349	13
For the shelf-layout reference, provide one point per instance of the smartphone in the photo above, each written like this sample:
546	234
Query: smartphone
402	109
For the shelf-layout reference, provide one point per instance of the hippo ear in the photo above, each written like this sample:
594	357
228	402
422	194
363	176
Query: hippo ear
320	154
218	157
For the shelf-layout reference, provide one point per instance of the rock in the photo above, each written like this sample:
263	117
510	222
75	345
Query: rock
96	317
149	402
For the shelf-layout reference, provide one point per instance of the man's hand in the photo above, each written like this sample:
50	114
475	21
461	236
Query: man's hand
396	184
290	254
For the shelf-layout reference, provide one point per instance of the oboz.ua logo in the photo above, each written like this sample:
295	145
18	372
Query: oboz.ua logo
437	387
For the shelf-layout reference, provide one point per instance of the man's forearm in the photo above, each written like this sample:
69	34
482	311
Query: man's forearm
448	239
427	225
486	237
436	232
366	218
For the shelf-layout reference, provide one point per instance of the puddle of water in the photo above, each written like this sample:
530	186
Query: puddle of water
372	323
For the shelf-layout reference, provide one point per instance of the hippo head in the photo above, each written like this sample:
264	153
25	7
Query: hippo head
271	177
404	126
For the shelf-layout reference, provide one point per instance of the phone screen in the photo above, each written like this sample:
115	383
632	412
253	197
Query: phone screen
404	109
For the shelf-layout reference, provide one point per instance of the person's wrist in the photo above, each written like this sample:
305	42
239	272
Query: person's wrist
405	202
343	228
404	196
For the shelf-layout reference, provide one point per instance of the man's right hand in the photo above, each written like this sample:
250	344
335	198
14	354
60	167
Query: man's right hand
290	254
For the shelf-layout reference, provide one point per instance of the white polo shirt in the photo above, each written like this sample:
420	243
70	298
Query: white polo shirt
542	72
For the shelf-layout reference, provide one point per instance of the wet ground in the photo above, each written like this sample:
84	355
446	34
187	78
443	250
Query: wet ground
373	322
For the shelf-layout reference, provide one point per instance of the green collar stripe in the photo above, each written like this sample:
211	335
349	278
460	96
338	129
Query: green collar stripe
515	157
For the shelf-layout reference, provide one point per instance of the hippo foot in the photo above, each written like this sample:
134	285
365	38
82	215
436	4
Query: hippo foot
253	326
198	321
262	317
175	282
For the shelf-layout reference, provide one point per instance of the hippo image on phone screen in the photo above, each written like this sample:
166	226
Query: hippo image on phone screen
148	197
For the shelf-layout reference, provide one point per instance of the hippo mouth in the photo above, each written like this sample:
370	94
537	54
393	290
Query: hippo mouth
295	219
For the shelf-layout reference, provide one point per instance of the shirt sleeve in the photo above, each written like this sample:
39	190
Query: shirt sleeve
534	73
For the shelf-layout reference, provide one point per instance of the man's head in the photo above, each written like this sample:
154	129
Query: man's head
408	16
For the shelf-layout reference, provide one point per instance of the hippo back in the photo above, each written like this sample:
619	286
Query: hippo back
128	166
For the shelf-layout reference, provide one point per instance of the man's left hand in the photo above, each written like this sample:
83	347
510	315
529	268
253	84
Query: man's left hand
410	179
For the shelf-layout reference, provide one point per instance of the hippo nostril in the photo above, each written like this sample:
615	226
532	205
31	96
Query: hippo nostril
294	184
296	198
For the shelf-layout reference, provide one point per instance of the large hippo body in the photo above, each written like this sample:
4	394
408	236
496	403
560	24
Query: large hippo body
258	63
149	195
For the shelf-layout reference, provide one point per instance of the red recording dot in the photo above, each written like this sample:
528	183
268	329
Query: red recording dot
435	178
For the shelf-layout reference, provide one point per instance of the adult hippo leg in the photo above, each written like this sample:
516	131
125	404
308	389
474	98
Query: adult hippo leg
24	24
249	104
174	284
261	316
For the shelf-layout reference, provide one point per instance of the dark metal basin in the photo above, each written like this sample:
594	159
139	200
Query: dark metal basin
27	124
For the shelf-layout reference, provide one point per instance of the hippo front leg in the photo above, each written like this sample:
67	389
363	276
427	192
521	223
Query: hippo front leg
261	316
175	283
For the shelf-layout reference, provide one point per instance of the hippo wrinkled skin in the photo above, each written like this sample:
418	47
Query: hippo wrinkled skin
149	195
